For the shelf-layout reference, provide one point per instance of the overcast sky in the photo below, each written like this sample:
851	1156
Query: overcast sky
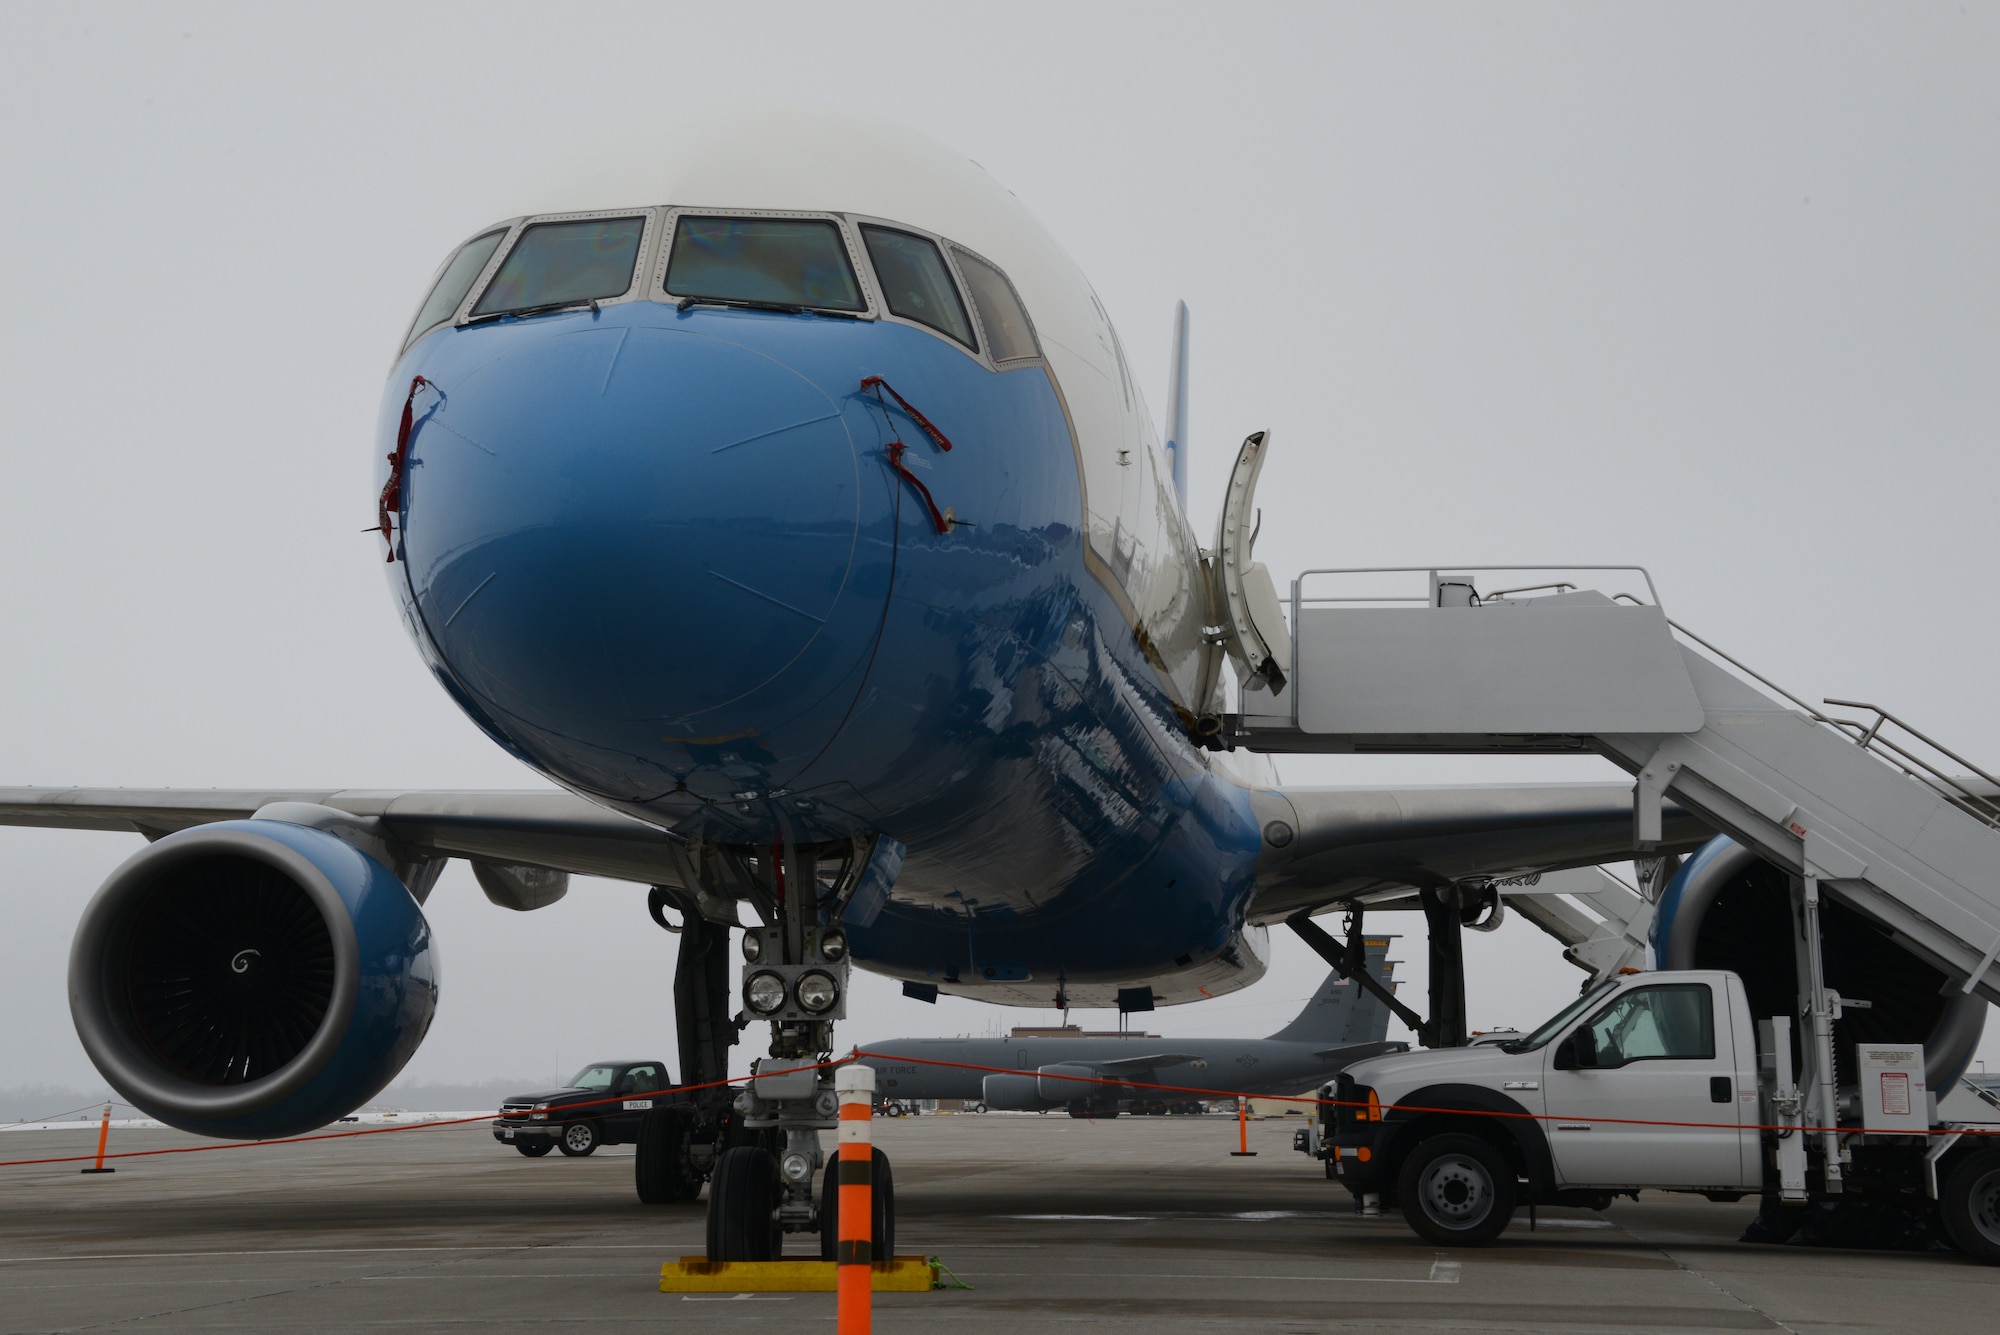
1714	289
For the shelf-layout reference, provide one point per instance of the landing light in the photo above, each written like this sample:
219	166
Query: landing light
753	947
764	992
833	944
817	991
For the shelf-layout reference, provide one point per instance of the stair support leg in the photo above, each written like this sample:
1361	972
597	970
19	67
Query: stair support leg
1816	1004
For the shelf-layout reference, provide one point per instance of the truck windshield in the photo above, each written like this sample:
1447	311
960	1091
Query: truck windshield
769	261
1549	1028
593	1077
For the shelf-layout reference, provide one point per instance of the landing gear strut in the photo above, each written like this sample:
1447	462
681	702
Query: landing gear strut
761	1149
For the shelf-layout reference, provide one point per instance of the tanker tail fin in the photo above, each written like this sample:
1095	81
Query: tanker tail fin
1342	1012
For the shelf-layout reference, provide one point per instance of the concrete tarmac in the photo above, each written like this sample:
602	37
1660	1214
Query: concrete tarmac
1137	1224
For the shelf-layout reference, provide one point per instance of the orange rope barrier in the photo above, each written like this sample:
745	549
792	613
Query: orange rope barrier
1400	1107
390	1130
1002	1070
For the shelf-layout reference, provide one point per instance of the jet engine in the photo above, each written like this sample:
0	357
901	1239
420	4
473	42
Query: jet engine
251	978
1012	1093
1727	908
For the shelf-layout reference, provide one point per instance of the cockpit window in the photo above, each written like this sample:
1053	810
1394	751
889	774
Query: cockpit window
764	261
915	282
456	281
1009	336
560	263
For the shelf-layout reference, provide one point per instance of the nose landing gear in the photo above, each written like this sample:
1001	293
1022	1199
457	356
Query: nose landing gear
762	1152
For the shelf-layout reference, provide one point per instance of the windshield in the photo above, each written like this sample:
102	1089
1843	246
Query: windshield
565	262
1009	335
456	281
774	261
593	1077
1549	1028
915	282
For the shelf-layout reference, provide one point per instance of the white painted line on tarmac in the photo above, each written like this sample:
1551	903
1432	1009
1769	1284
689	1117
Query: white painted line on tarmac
736	1298
345	1251
1094	1218
1442	1272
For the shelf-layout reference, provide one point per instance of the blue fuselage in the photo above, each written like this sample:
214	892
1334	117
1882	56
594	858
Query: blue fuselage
665	558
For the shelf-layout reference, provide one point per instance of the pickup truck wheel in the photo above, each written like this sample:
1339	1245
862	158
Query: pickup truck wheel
1970	1204
534	1149
743	1207
882	1199
578	1139
1456	1190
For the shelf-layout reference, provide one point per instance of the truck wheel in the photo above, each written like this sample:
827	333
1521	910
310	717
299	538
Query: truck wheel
578	1139
1970	1203
1456	1190
743	1207
881	1196
534	1149
659	1169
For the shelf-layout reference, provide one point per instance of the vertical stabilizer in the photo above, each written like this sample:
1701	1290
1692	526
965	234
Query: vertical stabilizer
1177	392
1342	1012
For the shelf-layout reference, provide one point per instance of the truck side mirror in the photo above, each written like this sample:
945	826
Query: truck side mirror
1576	1052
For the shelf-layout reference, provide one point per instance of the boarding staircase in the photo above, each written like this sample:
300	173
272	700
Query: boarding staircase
1869	809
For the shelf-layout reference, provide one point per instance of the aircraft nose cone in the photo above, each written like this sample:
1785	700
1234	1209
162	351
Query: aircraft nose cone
618	536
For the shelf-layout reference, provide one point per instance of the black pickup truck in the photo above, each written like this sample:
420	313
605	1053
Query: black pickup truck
602	1105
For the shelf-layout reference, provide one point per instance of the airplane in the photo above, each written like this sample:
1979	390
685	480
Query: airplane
1040	1070
786	499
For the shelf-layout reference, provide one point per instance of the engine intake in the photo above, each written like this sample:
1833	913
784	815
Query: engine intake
1727	908
251	978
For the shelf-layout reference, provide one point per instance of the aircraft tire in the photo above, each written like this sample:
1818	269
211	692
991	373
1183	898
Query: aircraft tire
1970	1204
579	1139
1456	1190
882	1196
534	1149
743	1207
659	1168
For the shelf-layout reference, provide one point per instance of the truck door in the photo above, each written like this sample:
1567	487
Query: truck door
636	1090
1656	1053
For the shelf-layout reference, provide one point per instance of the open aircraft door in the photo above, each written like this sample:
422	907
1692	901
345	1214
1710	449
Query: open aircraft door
1243	602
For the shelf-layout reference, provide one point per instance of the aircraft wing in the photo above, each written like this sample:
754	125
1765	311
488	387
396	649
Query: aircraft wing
1135	1065
1354	1052
1376	844
523	828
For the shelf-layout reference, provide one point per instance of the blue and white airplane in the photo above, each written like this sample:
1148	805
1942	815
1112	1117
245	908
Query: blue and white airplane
787	499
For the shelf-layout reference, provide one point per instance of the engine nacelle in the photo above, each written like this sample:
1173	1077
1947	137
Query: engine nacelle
251	979
1066	1081
1727	908
1012	1093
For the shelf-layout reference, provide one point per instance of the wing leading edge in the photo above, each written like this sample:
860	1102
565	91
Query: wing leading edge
520	828
1374	845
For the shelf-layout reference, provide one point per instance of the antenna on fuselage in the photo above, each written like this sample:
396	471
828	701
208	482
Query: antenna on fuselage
1177	396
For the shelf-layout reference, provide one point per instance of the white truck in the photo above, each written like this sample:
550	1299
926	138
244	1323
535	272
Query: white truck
1659	1081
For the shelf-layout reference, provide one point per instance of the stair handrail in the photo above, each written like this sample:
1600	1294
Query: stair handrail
1872	739
1978	805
